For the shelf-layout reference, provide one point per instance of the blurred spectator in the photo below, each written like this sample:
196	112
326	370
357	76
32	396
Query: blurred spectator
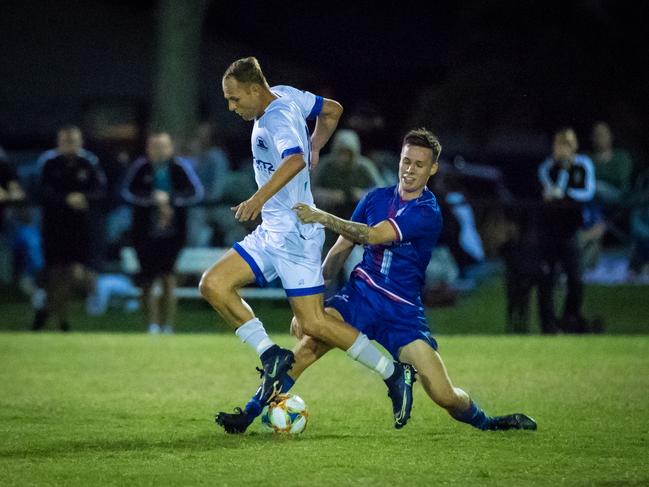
344	176
366	120
639	263
387	164
160	186
116	217
10	191
590	235
462	238
28	254
463	256
613	167
568	182
523	268
212	225
71	181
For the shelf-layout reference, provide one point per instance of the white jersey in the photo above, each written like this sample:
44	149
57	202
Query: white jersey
310	105
280	132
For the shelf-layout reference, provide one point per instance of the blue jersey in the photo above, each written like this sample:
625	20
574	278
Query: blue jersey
398	269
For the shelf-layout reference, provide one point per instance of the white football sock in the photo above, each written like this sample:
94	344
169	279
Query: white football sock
366	353
253	333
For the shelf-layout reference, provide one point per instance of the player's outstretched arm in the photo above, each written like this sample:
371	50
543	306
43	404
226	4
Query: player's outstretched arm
325	126
382	232
288	169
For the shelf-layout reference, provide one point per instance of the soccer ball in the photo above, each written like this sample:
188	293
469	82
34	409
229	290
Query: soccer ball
287	414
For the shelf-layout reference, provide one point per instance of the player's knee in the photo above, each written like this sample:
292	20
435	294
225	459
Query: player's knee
211	288
312	328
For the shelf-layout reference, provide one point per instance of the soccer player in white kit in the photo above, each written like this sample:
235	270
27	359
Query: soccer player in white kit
282	246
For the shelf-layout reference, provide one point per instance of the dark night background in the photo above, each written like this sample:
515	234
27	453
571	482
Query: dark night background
493	79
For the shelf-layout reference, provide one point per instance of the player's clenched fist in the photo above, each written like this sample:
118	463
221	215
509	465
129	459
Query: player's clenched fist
307	214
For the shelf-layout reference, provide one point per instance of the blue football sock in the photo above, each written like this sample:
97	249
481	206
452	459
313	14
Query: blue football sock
254	406
474	416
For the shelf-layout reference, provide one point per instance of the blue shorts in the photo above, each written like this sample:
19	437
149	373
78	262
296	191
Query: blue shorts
390	323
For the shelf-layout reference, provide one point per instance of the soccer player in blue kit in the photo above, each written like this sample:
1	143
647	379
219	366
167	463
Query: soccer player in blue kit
282	246
398	227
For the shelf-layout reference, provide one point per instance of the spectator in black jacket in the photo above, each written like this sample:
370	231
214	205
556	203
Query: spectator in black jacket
71	181
160	186
568	181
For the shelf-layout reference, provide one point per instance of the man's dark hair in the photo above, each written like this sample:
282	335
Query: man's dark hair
424	138
68	128
246	70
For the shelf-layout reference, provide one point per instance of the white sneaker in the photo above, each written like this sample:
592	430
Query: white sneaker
168	329
154	329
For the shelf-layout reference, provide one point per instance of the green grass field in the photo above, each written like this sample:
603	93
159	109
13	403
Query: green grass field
127	409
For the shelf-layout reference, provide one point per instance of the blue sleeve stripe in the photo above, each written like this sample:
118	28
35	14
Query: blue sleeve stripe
317	108
259	276
291	151
304	291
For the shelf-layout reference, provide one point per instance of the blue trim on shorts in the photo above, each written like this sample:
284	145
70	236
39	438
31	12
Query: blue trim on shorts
291	151
259	276
304	291
317	108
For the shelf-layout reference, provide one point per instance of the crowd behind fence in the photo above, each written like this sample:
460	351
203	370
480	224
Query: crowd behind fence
71	219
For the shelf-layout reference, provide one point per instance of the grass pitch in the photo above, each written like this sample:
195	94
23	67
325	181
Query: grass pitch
130	409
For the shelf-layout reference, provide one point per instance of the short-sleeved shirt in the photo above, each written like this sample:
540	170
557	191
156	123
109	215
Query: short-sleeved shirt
280	132
398	269
310	105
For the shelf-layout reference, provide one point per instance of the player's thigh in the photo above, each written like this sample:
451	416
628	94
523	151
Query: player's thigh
308	309
231	271
296	327
430	369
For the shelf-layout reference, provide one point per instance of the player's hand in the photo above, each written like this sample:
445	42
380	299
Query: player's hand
315	159
76	201
553	193
247	210
160	197
308	214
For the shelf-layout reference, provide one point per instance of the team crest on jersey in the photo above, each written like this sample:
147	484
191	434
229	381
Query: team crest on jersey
261	143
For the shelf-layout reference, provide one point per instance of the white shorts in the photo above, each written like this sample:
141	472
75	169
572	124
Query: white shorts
296	259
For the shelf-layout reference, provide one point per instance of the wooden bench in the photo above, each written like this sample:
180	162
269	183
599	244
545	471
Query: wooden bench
194	261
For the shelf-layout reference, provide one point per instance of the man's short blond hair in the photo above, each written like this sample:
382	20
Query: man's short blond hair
246	70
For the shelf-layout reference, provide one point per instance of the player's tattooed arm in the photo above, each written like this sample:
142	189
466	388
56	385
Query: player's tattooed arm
354	231
359	233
